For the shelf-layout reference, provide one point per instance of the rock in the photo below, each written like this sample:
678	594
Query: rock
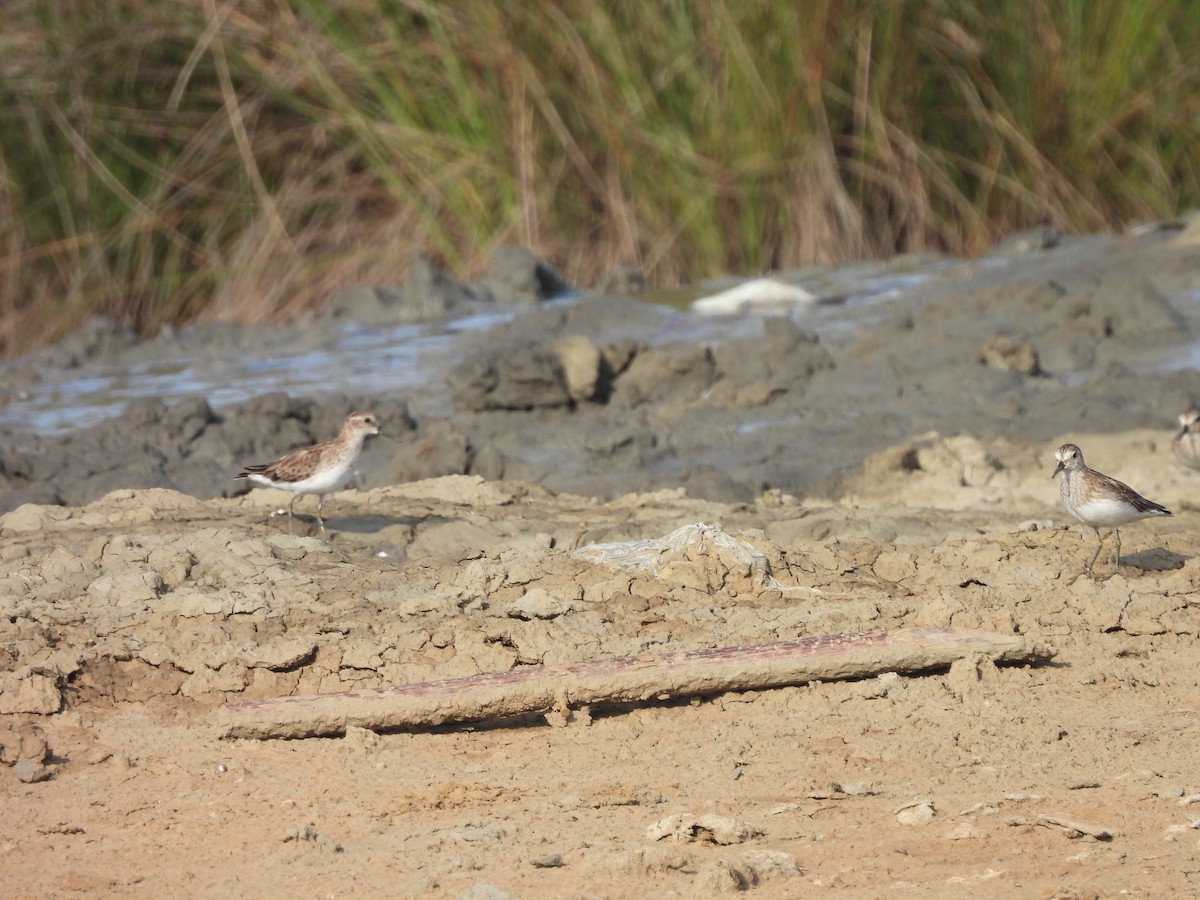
27	743
582	365
711	828
31	772
547	861
919	812
517	276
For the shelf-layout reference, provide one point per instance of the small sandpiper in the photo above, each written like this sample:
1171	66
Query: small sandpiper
1187	442
320	469
1099	501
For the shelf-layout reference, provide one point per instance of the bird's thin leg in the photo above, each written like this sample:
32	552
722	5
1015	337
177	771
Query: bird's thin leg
1096	555
292	515
1117	567
320	506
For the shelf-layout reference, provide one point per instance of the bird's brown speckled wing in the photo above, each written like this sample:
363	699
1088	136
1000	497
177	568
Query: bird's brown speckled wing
1129	495
293	467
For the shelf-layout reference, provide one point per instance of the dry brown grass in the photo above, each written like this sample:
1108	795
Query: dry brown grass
244	160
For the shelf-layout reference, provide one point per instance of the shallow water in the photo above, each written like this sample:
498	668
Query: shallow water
357	359
415	358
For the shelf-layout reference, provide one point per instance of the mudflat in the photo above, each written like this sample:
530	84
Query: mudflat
914	494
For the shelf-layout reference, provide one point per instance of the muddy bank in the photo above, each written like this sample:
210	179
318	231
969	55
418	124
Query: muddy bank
603	394
126	623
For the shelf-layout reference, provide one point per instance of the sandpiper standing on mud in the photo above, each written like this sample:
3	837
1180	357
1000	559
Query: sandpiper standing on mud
1099	501
320	469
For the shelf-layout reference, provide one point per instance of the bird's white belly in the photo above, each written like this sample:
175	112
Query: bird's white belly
325	482
1104	512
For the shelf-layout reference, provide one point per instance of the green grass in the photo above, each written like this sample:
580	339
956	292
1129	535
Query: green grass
221	160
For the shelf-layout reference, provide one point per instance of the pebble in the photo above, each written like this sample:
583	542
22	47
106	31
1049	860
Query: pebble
919	812
31	771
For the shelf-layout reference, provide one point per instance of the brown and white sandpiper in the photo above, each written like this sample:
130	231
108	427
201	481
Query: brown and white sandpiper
1186	445
1099	501
320	469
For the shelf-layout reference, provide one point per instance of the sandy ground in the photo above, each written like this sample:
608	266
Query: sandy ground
128	622
888	476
